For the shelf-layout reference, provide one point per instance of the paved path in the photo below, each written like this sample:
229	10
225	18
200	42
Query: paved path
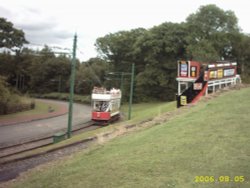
34	129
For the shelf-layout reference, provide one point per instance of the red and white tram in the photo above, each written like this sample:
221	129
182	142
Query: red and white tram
105	104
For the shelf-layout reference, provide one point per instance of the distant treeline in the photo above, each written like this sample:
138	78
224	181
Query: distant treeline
210	34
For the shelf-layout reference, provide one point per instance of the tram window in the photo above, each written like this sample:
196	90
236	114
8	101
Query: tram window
100	106
96	106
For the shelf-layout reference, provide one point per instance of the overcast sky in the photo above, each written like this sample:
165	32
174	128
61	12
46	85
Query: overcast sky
54	22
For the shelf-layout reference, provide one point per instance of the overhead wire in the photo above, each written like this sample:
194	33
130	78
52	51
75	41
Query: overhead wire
68	50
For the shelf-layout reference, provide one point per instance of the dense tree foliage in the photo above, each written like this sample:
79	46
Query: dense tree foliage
43	72
90	73
209	33
51	73
160	46
118	48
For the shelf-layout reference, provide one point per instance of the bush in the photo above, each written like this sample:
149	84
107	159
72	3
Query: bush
4	95
11	102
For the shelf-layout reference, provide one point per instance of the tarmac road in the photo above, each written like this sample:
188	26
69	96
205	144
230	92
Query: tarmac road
20	132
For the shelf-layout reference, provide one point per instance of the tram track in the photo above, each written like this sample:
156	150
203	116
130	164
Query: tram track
13	164
19	148
11	169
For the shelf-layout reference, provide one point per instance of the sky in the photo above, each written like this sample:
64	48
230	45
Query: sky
54	22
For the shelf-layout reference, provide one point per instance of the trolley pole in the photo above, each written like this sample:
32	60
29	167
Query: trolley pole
72	82
131	91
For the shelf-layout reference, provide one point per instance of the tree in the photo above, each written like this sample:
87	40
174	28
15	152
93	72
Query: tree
120	51
91	73
209	20
7	65
161	47
241	54
209	30
203	51
10	37
118	48
49	73
4	93
154	50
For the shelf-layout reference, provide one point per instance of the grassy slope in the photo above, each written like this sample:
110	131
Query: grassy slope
211	139
149	110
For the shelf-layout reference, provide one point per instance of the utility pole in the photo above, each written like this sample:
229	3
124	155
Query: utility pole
72	82
131	91
122	77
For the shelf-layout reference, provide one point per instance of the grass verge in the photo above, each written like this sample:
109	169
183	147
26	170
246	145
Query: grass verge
211	139
40	108
64	96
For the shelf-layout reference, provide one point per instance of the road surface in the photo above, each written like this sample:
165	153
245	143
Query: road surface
26	131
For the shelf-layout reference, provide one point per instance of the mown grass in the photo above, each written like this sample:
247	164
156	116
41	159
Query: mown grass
40	108
145	111
211	139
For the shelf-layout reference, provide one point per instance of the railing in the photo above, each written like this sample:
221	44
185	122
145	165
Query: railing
191	95
102	90
222	81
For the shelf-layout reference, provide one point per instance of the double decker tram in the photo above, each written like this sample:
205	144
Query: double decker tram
105	104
